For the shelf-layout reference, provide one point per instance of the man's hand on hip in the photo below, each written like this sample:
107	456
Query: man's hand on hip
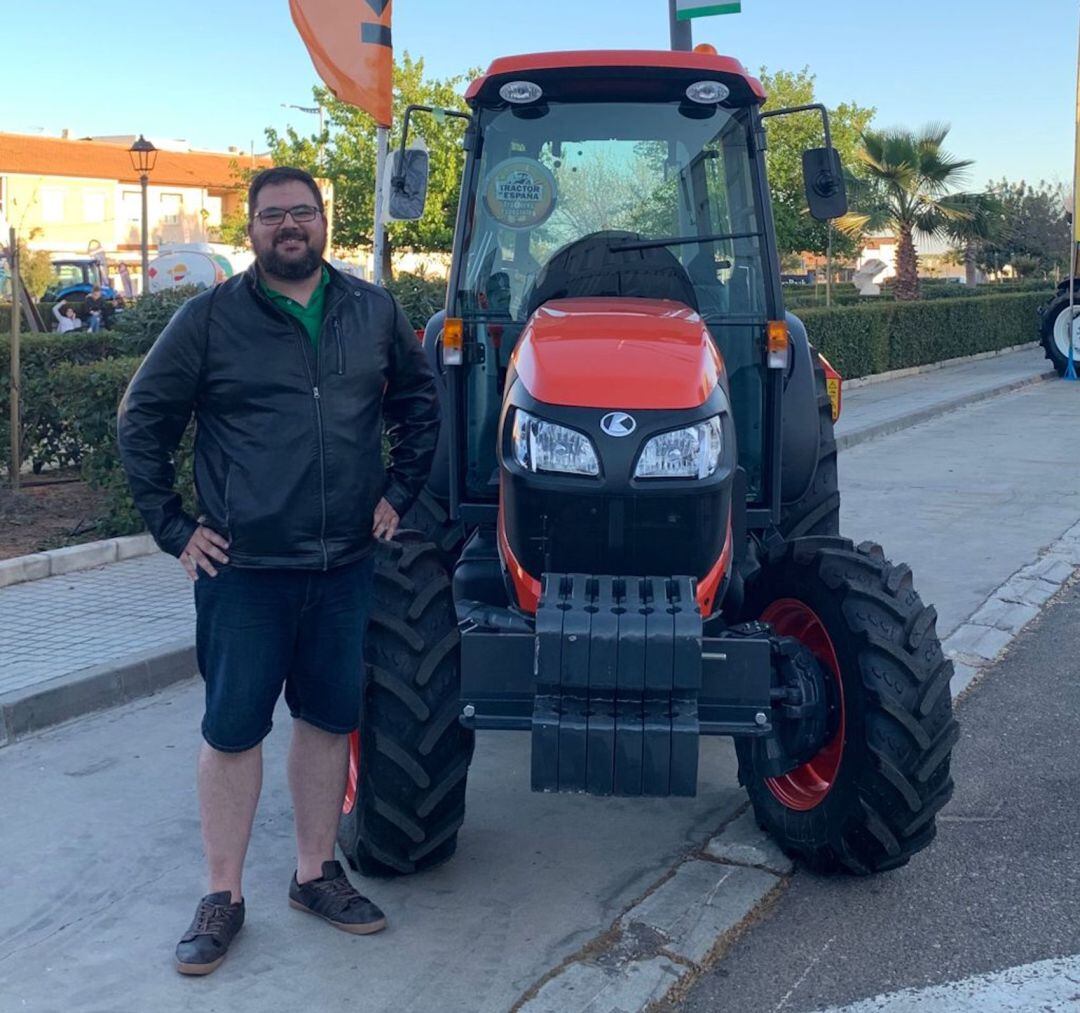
386	521
202	549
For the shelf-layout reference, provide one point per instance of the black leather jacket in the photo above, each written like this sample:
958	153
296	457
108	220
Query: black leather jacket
288	462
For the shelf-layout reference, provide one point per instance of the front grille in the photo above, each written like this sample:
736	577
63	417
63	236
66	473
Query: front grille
556	532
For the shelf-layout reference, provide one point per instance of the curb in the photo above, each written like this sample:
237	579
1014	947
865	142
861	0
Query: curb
942	408
75	694
74	557
669	937
977	643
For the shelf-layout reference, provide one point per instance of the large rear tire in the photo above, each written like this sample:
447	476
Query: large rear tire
406	794
817	510
1054	332
867	801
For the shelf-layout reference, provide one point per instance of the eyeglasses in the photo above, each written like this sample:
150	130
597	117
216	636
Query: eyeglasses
300	213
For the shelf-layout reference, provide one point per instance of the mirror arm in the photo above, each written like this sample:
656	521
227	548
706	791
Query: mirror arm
812	107
397	180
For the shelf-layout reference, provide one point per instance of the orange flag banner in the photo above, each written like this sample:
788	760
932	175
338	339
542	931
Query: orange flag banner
350	44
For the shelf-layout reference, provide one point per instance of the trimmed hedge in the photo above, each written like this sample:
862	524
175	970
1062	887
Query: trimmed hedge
860	340
46	437
91	394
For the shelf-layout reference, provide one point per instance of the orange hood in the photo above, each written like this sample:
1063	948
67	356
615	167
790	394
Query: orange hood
617	353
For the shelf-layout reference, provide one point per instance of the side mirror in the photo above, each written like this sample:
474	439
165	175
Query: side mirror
823	177
408	184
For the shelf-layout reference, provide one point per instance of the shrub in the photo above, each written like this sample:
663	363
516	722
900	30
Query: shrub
136	329
90	394
46	438
860	340
420	297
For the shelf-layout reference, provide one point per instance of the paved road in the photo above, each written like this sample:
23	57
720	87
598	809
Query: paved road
101	859
999	888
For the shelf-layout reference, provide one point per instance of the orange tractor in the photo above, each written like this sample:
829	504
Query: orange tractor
631	535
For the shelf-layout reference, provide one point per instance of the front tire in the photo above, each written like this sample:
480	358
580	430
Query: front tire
405	799
867	802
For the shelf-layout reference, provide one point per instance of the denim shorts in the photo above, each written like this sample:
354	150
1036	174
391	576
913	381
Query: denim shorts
257	630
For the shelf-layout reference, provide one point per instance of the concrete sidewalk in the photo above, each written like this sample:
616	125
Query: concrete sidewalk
81	642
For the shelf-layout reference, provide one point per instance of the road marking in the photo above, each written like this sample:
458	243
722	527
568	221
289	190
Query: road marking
1049	986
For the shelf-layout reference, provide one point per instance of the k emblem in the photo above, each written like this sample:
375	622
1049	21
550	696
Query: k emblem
618	424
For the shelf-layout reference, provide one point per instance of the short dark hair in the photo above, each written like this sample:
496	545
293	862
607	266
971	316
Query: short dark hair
281	174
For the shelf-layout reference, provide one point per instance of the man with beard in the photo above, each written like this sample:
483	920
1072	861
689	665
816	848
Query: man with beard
290	371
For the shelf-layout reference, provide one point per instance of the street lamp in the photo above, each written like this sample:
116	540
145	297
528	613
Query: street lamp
313	111
143	157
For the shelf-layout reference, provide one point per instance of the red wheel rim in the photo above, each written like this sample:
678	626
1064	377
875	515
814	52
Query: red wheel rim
805	787
354	774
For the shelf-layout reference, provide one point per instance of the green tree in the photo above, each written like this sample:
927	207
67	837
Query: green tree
907	188
789	137
35	266
348	150
985	224
1037	238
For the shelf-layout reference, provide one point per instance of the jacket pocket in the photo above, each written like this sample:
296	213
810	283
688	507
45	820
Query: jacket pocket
340	349
228	510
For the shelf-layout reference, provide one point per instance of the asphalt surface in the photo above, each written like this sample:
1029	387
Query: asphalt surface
999	887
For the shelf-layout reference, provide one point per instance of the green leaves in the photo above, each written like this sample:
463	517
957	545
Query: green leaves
789	137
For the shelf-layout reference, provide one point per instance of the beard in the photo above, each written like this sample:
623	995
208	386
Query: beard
277	265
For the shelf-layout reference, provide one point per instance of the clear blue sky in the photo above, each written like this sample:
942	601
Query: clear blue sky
1002	73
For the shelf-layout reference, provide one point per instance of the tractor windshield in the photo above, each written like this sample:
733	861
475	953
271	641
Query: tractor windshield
660	171
551	175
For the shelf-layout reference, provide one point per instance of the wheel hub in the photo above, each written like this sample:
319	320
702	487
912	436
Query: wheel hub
807	715
806	786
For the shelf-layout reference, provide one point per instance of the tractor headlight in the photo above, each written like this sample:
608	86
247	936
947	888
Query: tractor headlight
545	446
693	452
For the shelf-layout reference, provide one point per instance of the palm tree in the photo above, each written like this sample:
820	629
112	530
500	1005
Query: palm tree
905	187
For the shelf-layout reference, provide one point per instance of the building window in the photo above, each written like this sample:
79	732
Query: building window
212	207
93	207
52	204
172	207
132	205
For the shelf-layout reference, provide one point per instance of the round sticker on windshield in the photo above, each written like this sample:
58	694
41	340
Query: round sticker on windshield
520	193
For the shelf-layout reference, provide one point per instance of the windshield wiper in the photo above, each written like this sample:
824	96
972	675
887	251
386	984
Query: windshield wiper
652	244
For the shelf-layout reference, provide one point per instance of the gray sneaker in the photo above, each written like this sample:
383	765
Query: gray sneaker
334	899
203	947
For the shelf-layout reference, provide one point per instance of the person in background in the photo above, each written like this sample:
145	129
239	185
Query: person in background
95	309
66	317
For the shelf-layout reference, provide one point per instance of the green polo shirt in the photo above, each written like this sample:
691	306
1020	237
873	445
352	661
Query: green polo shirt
311	315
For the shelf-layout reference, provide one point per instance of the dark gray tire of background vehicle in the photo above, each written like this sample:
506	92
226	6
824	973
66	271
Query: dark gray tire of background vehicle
817	511
1050	349
414	753
899	729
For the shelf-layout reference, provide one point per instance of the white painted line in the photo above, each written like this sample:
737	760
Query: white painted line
1049	986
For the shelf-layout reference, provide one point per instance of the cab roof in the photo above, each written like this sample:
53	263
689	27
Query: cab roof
592	69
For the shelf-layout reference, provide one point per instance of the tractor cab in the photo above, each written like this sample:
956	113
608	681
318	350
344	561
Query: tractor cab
589	179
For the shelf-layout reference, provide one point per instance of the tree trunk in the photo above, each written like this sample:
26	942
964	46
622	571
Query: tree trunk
387	261
970	274
907	266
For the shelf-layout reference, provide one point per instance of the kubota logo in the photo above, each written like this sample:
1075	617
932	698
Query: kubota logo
618	424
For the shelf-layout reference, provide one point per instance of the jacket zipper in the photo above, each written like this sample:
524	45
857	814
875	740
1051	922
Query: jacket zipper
302	337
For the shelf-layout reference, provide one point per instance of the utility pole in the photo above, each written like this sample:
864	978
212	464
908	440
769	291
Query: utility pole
682	34
16	385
